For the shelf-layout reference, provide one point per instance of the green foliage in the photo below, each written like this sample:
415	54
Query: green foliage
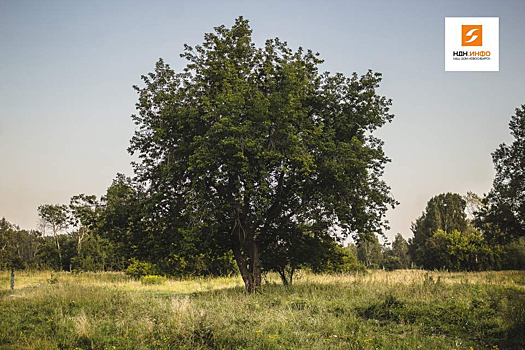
298	246
502	215
471	249
122	220
369	251
400	250
198	263
54	216
392	262
444	212
512	255
48	256
152	279
17	247
128	217
84	210
247	142
456	251
343	260
137	269
96	254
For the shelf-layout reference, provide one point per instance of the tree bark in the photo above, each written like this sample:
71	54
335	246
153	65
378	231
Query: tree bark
247	256
55	233
241	263
283	278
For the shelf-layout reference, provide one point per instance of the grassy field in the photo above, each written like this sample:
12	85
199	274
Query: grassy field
408	309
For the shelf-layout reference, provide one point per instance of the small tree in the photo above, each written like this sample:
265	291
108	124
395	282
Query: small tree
56	217
343	260
83	209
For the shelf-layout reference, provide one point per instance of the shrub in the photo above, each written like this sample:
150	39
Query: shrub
343	261
137	269
152	279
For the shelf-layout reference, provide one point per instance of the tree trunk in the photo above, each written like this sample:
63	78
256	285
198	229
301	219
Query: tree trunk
241	263
12	280
287	276
257	268
81	236
282	273
55	233
248	260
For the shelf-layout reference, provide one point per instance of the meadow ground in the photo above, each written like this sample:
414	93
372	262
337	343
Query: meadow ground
408	309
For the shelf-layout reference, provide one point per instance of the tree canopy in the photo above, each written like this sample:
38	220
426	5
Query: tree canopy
248	140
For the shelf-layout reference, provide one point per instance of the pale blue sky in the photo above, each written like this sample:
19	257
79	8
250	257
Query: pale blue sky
67	68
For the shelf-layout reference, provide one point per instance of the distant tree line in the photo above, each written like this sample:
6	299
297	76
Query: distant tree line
478	233
445	238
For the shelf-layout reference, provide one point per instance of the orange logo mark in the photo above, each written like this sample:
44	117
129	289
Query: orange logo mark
471	35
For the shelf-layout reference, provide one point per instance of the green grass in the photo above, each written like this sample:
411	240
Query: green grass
377	310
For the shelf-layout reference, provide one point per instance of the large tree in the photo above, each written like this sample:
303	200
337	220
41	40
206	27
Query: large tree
502	217
247	140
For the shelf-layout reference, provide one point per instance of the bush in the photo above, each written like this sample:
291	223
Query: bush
152	279
343	260
137	269
391	263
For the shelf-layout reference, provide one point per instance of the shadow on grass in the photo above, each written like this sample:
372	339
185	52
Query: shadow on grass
497	321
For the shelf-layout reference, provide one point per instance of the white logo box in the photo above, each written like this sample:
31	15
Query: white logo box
453	44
